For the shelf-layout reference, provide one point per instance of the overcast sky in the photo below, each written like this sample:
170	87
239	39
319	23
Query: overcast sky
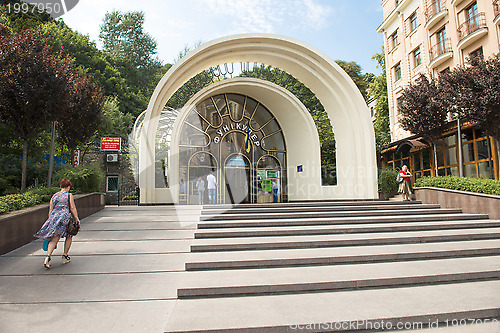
342	29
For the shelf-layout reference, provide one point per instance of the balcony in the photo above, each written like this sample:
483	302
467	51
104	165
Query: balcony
435	10
496	10
440	52
471	30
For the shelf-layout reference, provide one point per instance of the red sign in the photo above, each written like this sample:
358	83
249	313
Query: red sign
76	157
111	144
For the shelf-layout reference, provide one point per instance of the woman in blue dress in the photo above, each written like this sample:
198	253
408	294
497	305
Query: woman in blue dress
55	226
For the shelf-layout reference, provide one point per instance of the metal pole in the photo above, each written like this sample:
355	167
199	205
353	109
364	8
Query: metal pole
51	158
460	152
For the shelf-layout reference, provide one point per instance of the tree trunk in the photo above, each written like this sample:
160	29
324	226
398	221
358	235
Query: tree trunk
24	166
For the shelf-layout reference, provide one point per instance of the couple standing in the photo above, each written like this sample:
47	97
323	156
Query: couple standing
212	185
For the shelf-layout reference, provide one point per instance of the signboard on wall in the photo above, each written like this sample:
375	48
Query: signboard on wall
76	157
272	174
111	144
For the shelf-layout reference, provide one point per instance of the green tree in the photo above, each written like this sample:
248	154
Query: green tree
378	91
354	70
80	122
114	121
34	88
134	50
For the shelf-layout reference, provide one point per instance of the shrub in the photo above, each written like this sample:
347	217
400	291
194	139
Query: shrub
84	178
45	193
479	185
387	184
18	201
130	197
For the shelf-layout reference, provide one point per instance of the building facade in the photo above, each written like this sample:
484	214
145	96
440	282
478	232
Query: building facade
429	37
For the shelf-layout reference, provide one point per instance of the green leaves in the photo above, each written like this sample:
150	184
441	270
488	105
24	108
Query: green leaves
387	181
479	185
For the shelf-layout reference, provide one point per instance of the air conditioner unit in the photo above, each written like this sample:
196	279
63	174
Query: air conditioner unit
112	157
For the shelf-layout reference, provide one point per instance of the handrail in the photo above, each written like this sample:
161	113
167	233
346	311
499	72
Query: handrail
440	48
471	25
433	7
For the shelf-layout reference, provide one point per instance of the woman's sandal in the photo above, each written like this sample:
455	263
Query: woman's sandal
46	262
66	258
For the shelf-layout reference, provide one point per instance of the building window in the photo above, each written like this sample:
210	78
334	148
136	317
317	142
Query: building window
417	58
441	40
397	72
112	184
413	22
394	40
471	13
475	153
477	54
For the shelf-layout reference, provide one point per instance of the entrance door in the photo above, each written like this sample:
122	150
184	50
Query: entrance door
237	180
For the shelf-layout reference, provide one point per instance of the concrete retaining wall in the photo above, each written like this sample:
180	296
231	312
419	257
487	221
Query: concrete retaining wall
469	202
17	228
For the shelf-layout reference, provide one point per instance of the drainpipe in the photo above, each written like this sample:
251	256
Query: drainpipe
460	152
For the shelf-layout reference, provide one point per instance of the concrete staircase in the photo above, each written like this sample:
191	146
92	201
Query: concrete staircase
338	266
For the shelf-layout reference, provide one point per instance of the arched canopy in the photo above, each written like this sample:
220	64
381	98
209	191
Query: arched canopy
356	160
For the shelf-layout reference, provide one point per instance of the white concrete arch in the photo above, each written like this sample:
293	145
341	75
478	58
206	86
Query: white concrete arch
356	160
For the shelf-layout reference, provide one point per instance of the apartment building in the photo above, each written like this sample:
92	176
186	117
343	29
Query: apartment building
429	37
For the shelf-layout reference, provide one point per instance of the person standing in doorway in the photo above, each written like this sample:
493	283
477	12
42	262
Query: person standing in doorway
212	185
200	185
274	187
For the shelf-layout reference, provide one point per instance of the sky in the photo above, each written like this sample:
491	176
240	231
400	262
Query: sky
342	29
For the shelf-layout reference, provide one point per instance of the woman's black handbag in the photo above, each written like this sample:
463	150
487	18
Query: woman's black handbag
73	226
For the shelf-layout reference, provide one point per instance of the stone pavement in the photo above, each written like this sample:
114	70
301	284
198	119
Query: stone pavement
173	269
125	266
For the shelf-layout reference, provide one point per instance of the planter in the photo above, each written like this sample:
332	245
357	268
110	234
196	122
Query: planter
469	202
17	228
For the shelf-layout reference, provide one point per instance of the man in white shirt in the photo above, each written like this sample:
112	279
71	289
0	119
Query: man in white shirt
212	185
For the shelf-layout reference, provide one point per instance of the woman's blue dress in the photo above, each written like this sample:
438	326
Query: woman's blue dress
58	220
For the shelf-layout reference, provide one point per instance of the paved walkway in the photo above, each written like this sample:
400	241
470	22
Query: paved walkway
126	263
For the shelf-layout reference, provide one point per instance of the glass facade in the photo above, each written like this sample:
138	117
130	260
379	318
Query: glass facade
478	153
240	141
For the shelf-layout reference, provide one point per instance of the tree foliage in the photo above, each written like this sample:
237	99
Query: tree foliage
81	120
34	87
378	91
472	92
421	110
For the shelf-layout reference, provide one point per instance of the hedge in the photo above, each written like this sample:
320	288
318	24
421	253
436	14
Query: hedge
479	185
19	201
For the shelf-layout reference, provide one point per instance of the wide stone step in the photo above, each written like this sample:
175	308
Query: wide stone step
315	209
295	242
311	204
339	311
334	278
344	229
301	215
249	223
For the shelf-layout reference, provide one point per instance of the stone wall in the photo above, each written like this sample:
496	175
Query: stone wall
469	202
17	228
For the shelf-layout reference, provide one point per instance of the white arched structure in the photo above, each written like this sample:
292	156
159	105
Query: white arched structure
354	134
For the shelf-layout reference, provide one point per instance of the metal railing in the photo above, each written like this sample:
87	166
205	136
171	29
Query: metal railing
471	25
434	7
441	47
